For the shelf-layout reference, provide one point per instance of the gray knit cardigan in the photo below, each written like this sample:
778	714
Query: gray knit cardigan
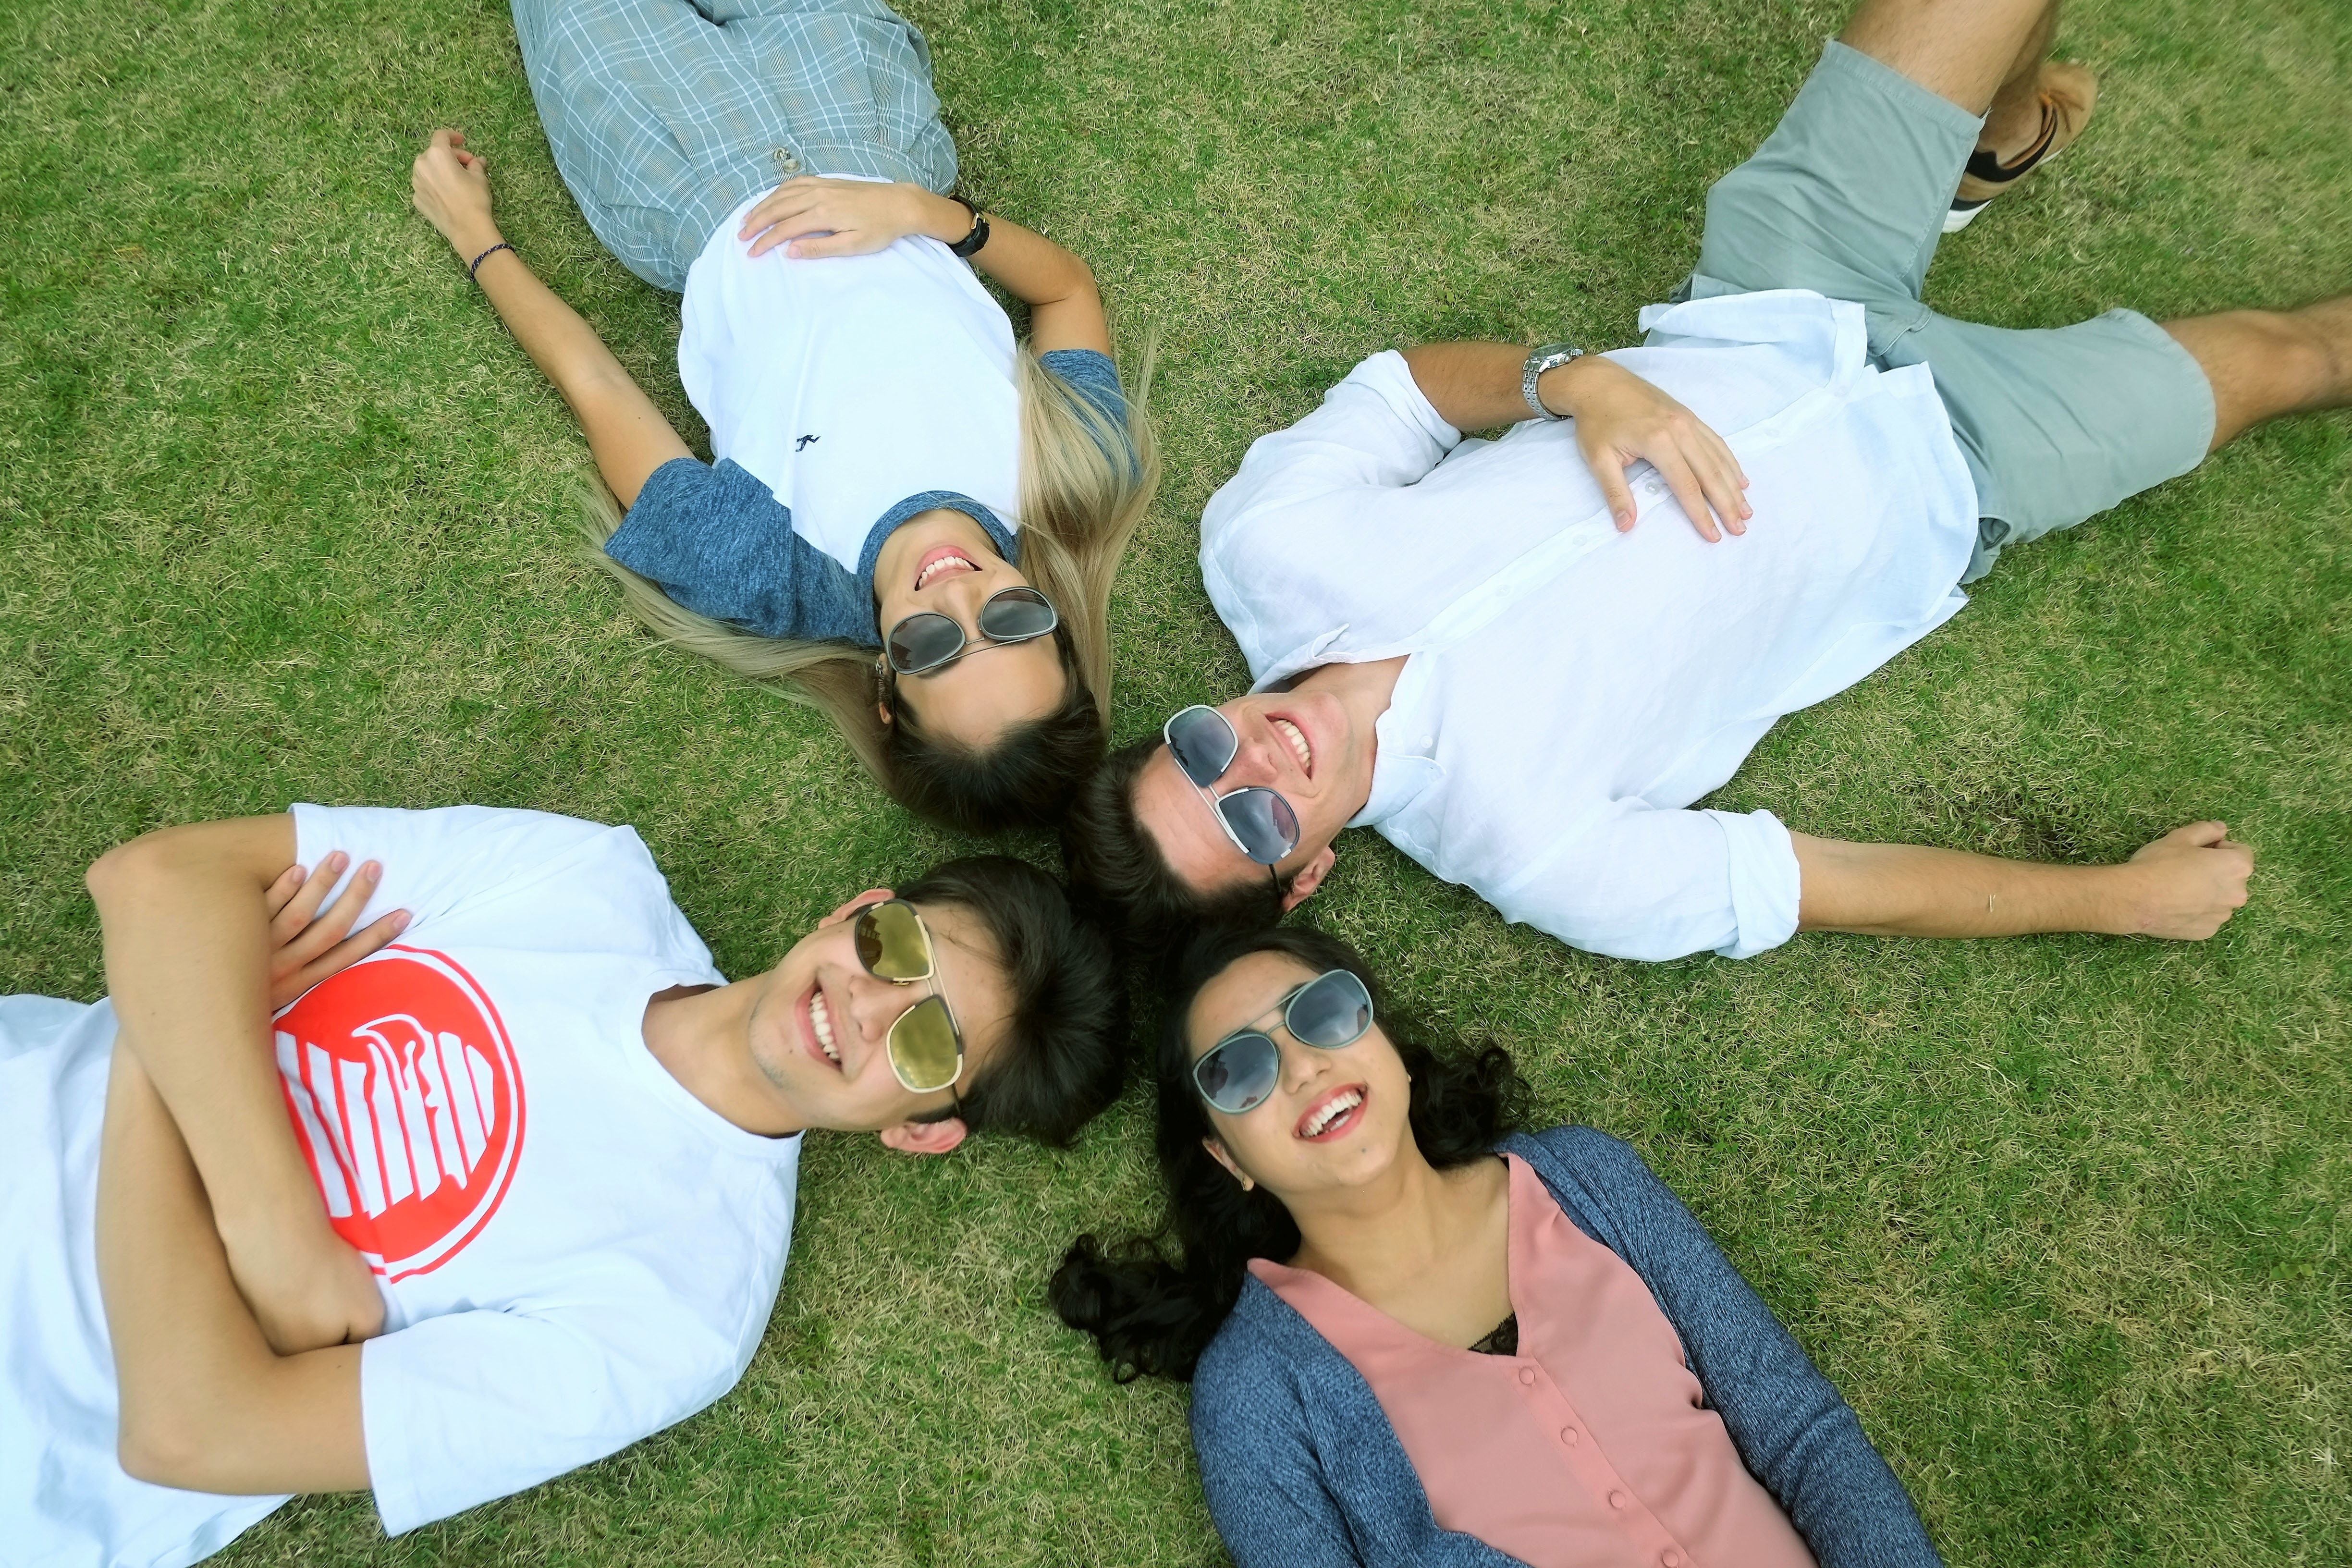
1302	1468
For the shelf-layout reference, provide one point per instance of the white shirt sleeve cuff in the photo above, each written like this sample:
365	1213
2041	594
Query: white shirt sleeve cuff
1764	882
1386	374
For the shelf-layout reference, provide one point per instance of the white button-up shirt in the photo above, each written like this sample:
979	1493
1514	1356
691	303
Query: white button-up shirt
1571	690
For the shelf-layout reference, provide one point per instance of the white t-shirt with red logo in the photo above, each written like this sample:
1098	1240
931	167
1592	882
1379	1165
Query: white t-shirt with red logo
574	1252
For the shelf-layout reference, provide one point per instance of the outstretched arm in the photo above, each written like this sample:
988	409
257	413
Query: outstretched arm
1621	420
810	216
627	434
207	934
2184	885
205	1403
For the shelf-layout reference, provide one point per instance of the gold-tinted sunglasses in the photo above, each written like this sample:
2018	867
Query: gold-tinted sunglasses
925	1047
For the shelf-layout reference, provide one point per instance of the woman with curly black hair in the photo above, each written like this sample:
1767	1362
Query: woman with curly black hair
1409	1343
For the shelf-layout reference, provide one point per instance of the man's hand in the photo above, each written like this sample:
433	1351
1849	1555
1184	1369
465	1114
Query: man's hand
2191	880
452	188
305	946
1622	419
811	215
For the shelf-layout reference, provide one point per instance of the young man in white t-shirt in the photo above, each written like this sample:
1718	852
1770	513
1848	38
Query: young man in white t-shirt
509	1188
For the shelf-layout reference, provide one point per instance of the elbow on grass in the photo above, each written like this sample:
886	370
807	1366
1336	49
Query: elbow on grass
120	872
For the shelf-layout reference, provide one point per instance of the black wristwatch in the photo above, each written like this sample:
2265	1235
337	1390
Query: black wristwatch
971	242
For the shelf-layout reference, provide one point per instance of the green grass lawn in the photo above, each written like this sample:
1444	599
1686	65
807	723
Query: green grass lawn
284	515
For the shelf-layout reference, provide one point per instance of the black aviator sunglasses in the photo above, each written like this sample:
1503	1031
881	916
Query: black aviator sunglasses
1329	1012
1259	821
927	641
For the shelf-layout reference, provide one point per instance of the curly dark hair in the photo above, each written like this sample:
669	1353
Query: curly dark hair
1066	1046
1152	1314
1024	780
1117	868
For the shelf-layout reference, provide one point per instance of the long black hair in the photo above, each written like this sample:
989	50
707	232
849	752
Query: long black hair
1153	1314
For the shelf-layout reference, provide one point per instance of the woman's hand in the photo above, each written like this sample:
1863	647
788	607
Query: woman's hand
1622	419
811	215
306	946
452	188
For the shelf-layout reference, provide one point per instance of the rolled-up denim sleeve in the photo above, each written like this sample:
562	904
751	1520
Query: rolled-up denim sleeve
718	541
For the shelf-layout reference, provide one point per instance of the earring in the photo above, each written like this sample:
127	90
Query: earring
1248	1185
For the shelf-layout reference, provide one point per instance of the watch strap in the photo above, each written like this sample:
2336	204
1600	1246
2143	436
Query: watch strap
1541	358
971	242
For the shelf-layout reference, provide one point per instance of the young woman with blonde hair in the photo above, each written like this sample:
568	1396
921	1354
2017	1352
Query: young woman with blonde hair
909	522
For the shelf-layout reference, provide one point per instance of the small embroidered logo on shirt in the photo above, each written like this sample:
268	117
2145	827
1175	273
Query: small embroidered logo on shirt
803	442
404	1091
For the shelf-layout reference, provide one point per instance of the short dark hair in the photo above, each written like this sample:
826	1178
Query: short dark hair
1064	1056
1120	871
1152	1314
1024	780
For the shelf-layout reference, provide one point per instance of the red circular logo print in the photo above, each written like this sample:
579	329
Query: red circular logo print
405	1092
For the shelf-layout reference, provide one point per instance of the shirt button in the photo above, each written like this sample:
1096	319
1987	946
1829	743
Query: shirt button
1654	487
1568	1435
1616	1499
1527	1376
788	161
1670	1558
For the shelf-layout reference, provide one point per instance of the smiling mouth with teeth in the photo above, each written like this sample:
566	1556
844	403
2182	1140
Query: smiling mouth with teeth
943	564
1315	1122
821	1022
1297	739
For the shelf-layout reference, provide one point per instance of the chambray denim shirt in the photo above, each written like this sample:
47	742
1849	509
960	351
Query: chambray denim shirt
719	542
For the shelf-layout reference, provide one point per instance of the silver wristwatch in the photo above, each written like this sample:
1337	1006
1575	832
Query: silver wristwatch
1544	357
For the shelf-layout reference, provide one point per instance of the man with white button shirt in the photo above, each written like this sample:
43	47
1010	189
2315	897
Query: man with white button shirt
1503	657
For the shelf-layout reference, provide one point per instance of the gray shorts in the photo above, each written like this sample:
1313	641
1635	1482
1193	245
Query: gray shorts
666	115
1847	197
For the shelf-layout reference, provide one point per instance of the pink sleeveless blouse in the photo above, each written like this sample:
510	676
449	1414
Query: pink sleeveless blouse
1590	1449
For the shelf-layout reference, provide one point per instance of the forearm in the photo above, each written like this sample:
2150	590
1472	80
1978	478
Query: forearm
203	1402
187	930
1909	889
1476	387
1033	268
620	419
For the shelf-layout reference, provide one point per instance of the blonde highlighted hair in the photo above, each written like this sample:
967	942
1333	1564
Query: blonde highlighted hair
1087	480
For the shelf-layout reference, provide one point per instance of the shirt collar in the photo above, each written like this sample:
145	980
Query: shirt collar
1008	543
1404	746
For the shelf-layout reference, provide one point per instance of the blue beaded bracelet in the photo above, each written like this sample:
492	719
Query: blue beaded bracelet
474	271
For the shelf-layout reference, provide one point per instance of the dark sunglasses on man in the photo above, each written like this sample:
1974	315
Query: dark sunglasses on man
927	641
1258	820
1329	1012
924	1046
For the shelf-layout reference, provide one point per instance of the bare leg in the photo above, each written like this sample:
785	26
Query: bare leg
1973	52
2263	363
2015	118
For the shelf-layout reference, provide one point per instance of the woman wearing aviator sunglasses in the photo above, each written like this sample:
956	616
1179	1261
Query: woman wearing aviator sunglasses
897	485
1411	1343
